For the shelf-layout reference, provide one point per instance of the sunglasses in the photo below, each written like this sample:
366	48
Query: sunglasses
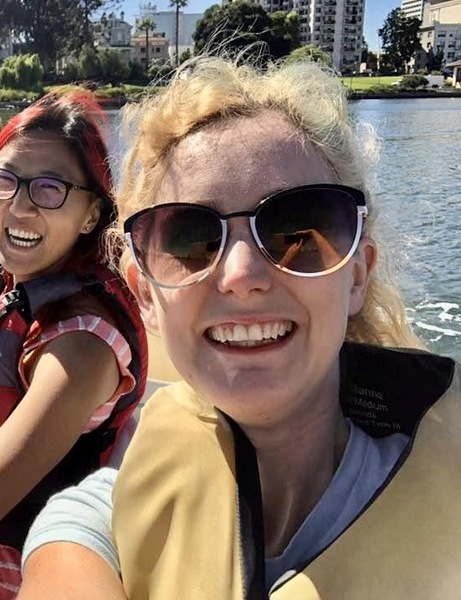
44	192
306	231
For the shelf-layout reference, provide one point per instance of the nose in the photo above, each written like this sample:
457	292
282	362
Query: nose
21	204
243	269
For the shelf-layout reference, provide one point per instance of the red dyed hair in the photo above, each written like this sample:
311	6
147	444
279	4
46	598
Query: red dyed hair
78	119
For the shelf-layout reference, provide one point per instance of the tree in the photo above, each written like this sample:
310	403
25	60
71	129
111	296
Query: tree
400	38
113	67
235	25
50	28
22	72
177	4
435	60
186	55
285	32
147	24
89	65
312	52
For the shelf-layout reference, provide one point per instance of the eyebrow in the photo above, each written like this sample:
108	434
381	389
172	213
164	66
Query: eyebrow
10	167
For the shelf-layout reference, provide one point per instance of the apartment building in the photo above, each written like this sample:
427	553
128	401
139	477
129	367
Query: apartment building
336	26
413	8
441	29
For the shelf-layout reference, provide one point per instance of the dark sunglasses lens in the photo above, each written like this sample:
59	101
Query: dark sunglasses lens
47	192
308	231
8	185
175	244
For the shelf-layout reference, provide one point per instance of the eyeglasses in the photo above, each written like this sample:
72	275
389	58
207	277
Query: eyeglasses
44	192
307	231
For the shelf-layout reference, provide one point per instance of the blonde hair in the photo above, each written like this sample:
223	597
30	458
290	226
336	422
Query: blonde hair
210	90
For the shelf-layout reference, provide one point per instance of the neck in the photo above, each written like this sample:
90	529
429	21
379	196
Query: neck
296	464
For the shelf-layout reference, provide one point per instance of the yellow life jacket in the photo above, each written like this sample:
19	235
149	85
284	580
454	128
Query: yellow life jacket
187	517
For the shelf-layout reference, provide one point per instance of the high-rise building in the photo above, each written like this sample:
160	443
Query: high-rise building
413	8
336	26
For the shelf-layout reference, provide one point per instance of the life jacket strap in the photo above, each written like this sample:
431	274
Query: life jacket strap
14	299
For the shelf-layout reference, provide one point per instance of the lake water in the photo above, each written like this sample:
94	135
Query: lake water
418	182
419	196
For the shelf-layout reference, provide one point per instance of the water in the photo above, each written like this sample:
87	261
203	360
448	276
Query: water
419	196
418	181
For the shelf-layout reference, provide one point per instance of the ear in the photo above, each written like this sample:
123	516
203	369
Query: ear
92	216
364	262
141	289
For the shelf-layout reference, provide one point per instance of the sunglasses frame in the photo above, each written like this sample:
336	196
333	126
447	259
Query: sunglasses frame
357	196
28	181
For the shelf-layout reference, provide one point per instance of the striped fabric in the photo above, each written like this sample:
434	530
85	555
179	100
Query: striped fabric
10	559
107	332
10	573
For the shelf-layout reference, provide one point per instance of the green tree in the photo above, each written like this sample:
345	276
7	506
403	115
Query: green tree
147	25
186	55
400	38
22	72
113	67
372	61
89	65
312	52
235	25
435	60
50	28
285	32
177	4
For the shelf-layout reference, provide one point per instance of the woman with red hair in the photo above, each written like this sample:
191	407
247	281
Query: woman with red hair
73	347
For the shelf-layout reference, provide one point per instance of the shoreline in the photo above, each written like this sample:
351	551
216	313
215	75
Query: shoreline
115	103
363	95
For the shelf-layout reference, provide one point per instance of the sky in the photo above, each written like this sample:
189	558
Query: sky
375	13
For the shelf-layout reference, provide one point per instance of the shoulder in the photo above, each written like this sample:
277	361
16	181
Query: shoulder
80	514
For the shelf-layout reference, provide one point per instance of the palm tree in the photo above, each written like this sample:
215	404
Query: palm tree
147	24
177	4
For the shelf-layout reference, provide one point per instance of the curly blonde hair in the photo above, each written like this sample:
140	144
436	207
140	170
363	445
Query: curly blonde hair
210	90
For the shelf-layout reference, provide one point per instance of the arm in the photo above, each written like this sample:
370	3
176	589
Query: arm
69	552
66	570
73	375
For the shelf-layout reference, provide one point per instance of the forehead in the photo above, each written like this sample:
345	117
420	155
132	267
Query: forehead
39	153
246	157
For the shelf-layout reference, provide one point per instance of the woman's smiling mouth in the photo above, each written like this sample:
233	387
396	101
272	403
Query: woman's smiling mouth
248	336
23	238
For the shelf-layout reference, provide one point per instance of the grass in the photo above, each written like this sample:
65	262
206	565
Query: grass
365	83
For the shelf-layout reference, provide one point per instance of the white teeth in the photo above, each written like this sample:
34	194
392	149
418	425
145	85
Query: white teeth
255	332
250	335
23	238
239	334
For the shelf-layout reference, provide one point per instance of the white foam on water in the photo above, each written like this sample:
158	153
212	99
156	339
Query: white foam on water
442	331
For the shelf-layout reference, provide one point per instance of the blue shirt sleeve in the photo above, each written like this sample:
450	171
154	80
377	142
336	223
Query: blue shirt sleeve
81	514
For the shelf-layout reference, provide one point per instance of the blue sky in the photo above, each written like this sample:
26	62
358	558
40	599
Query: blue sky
375	13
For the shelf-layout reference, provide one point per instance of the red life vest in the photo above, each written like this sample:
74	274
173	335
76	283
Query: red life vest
19	323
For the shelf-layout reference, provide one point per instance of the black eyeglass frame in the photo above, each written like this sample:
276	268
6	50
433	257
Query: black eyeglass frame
29	181
357	196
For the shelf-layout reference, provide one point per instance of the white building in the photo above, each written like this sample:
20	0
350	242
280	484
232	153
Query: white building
114	32
413	8
443	11
336	26
441	29
165	26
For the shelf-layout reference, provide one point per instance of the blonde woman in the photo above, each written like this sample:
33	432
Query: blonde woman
301	457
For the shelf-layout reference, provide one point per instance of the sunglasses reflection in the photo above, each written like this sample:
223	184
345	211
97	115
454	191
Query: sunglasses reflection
308	240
